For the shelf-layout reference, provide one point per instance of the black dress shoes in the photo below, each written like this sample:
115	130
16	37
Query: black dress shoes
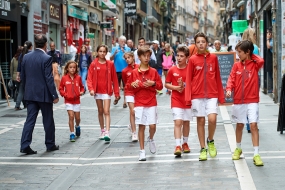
28	150
53	148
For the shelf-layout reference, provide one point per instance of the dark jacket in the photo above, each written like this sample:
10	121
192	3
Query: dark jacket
158	55
78	59
56	56
36	74
20	59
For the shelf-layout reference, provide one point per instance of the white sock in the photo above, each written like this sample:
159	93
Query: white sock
185	139
255	150
178	142
238	145
72	133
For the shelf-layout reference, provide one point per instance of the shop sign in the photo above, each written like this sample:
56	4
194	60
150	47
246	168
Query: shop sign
54	11
6	6
37	23
91	35
108	4
77	13
105	24
130	7
239	26
93	17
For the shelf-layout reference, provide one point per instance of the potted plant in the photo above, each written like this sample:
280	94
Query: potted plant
163	5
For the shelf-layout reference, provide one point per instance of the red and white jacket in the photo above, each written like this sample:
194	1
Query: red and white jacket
111	77
203	79
126	74
243	80
145	96
70	89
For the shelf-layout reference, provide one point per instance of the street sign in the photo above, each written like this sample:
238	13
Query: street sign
239	26
105	24
108	4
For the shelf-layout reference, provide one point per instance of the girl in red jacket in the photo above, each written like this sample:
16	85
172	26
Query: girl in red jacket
71	88
102	81
243	80
203	90
144	81
129	94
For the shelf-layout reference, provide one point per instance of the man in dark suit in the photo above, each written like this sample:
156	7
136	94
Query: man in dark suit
40	94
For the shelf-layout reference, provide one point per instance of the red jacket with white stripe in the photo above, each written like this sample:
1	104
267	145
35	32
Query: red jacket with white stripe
243	80
203	79
145	96
111	77
70	89
126	74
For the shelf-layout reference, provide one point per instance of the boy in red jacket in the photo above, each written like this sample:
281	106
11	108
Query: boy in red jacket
203	90
71	88
181	112
243	80
144	82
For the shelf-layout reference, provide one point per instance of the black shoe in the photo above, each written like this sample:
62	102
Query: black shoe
53	148
28	150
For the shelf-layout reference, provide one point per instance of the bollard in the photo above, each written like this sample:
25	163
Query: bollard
281	115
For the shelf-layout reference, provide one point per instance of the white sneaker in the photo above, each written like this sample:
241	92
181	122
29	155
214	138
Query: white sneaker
102	135
107	137
134	137
152	146
142	155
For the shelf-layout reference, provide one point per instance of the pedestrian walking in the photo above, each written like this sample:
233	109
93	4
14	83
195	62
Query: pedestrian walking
28	46
243	78
128	93
144	82
40	94
168	59
84	60
71	88
217	47
181	112
249	34
102	81
56	63
157	52
141	44
13	72
203	91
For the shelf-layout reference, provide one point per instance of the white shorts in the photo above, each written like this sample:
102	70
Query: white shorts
241	112
182	114
202	107
102	96
73	107
130	99
146	115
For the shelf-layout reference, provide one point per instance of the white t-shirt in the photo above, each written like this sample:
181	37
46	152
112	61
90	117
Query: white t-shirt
73	52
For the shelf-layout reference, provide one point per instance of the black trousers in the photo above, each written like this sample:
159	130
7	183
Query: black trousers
48	122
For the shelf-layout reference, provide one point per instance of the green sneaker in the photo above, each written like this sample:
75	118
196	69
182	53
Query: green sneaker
237	154
212	149
203	154
257	160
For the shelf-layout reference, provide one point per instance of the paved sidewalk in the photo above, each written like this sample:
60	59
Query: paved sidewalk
91	164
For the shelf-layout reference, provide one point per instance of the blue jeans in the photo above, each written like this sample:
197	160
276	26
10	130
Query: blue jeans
20	95
83	74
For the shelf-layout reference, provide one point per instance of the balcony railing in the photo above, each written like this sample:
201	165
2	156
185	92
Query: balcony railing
143	5
156	15
84	1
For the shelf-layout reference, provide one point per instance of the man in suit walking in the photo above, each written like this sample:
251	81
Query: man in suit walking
40	94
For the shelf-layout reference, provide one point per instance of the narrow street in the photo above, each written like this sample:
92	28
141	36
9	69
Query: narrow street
89	163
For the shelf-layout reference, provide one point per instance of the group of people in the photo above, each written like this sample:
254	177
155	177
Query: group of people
193	80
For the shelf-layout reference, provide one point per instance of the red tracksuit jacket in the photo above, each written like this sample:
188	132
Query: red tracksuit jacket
126	74
203	79
145	96
111	78
243	80
70	89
